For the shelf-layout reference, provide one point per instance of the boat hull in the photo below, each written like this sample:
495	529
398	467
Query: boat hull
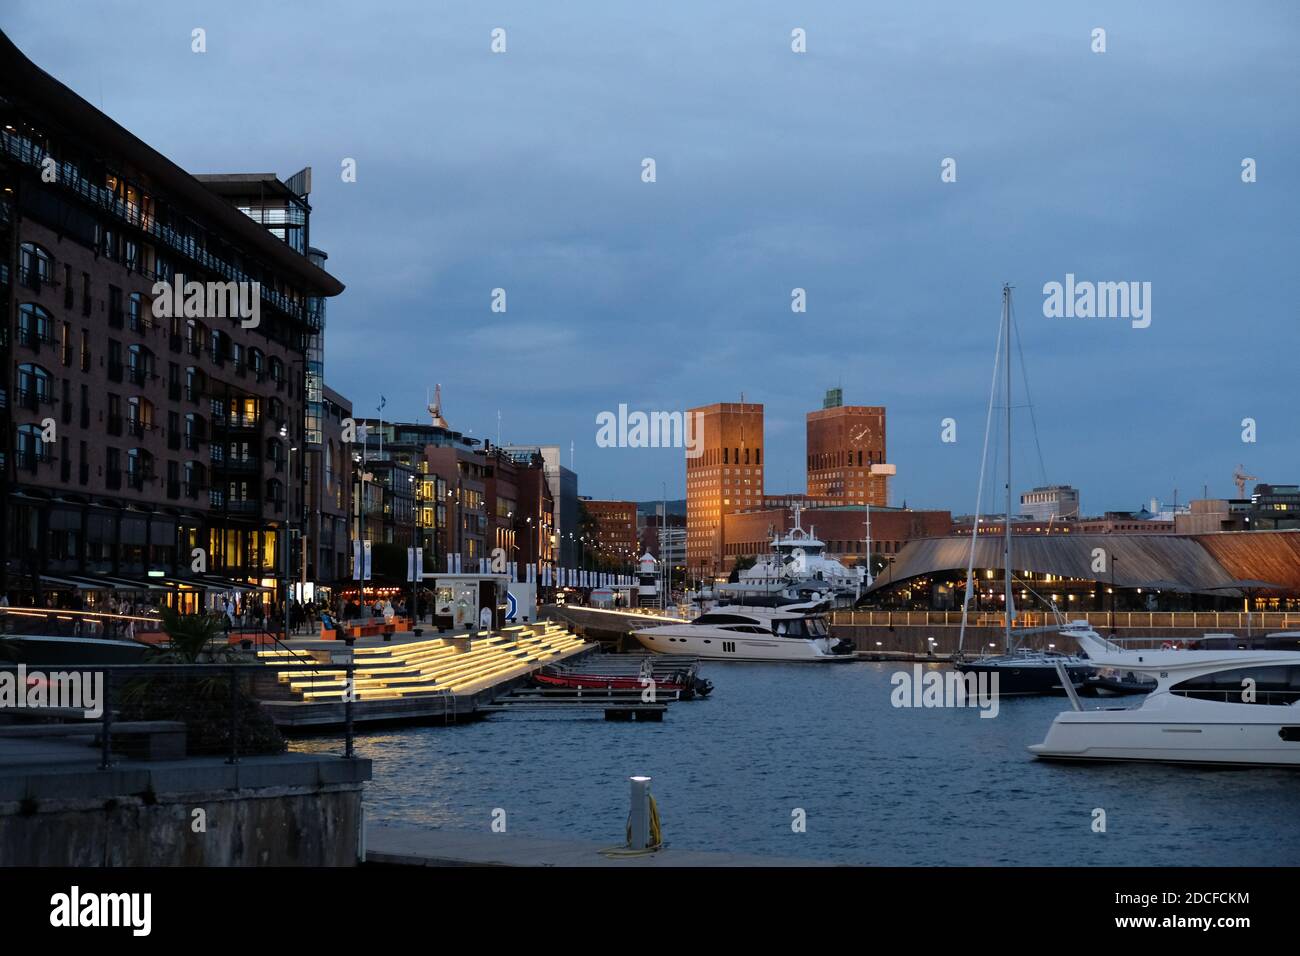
724	646
1172	732
1025	679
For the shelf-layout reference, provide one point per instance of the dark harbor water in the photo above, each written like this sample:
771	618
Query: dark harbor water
879	784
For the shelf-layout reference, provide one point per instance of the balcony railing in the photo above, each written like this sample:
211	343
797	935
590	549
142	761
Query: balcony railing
31	398
35	338
28	460
34	279
70	178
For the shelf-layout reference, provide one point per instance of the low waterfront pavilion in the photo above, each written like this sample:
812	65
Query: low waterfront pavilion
1081	572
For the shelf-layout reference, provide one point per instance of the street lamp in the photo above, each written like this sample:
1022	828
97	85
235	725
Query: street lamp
286	531
416	542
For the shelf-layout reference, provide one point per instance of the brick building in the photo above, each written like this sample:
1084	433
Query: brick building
168	434
749	534
725	477
843	442
615	530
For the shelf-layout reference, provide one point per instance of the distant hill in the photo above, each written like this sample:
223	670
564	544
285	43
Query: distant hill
677	507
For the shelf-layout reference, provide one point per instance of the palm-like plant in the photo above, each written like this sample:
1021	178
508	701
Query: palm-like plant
190	633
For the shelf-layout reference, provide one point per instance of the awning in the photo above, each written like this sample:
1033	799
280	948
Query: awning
214	583
55	581
131	584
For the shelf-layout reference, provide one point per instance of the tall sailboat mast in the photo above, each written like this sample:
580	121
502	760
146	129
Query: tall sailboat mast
1006	548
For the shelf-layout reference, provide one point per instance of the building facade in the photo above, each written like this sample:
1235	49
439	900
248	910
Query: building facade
563	483
615	528
843	443
724	477
142	438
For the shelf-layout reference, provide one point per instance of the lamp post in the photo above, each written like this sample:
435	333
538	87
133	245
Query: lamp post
1113	561
287	533
415	543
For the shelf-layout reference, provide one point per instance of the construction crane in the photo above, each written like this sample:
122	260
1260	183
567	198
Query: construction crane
1240	477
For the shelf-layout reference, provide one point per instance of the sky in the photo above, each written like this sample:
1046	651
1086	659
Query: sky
522	170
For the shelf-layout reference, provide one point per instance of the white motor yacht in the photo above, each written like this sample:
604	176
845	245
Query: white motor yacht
739	633
798	569
1228	707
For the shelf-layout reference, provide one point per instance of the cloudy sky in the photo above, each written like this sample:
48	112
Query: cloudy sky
775	170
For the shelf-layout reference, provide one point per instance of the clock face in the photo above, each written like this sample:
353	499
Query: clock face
865	431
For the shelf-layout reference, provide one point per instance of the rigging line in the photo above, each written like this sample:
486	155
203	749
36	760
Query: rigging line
1029	402
979	494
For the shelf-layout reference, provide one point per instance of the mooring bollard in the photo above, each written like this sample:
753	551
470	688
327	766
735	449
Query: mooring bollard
639	821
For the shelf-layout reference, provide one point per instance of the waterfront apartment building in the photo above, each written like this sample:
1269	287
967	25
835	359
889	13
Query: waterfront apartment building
1050	501
442	505
614	524
724	477
843	443
328	480
536	533
563	484
130	440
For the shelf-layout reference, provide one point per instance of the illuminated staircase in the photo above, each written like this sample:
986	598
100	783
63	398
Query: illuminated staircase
435	666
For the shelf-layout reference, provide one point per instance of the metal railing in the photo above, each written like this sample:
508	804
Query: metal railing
1209	620
122	691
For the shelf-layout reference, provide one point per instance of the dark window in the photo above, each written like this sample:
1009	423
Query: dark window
1271	685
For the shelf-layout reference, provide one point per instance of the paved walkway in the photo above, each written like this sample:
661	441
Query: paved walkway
414	847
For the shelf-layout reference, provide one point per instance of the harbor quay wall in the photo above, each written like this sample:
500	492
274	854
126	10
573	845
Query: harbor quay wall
265	811
914	638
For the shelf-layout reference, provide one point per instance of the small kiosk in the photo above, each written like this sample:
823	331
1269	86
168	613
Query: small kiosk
459	599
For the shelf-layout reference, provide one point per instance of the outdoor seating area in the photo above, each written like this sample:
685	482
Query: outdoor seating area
457	665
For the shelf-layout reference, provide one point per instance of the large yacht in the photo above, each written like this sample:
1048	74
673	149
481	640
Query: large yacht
797	568
739	633
1230	707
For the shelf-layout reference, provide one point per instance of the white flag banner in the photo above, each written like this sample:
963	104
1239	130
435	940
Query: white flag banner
356	559
410	564
419	564
365	563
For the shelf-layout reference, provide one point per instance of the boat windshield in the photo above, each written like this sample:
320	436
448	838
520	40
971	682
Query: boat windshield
803	627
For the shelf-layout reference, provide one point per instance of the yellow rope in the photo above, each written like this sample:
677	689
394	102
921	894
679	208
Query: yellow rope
656	836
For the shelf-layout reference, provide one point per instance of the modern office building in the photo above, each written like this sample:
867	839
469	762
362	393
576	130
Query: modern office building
139	434
724	477
843	442
1275	507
